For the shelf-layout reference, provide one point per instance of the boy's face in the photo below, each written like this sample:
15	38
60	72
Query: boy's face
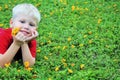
25	22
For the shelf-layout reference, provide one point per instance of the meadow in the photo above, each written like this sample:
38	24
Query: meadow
78	40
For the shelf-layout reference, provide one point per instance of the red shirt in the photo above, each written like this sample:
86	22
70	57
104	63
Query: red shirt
6	40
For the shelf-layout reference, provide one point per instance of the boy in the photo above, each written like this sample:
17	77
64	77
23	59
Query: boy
22	45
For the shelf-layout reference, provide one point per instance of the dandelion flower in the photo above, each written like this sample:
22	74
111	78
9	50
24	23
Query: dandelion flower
86	9
61	0
7	64
38	50
49	42
73	8
81	45
34	76
85	36
26	64
63	60
69	39
18	70
49	79
72	64
58	47
1	25
82	66
15	31
57	68
65	64
90	41
29	69
45	57
6	6
85	2
0	8
99	21
70	71
90	32
73	46
64	47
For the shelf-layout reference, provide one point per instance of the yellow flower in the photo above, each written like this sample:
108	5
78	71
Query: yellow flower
7	64
81	12
69	39
73	8
57	68
65	64
85	2
82	66
86	9
72	64
15	31
0	8
51	13
29	69
115	60
18	70
90	41
50	33
90	32
37	5
34	76
107	46
64	47
50	54
45	57
38	50
81	45
99	21
115	5
6	6
58	47
49	79
1	25
49	42
77	8
85	36
41	43
63	60
70	71
45	15
26	64
61	0
73	46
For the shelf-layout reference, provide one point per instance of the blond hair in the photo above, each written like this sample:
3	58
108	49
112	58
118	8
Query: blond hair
27	9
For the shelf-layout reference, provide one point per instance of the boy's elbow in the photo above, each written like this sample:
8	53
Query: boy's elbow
32	63
2	66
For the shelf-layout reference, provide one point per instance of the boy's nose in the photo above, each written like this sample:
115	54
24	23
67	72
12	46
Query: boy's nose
26	26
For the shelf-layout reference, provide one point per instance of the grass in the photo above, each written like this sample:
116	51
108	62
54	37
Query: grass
78	40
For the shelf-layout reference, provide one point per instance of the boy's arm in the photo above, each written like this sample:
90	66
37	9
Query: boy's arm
26	54
9	54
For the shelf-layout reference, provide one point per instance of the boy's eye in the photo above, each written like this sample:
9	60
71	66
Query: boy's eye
31	24
22	21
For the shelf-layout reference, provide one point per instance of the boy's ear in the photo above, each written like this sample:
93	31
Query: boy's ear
11	21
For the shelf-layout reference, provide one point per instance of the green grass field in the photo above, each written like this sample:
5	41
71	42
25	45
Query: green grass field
78	40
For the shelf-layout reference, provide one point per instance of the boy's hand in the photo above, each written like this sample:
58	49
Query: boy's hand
19	38
23	35
34	34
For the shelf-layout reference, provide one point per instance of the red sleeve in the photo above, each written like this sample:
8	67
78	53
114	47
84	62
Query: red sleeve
3	44
4	41
32	47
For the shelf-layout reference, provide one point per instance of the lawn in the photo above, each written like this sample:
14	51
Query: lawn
78	40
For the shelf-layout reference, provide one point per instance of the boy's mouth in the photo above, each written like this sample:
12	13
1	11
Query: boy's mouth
25	32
